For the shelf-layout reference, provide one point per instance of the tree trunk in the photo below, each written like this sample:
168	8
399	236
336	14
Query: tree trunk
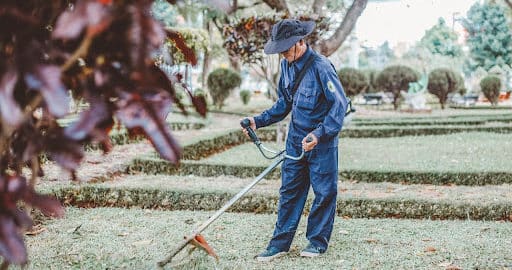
317	7
330	45
508	3
396	98
278	5
206	57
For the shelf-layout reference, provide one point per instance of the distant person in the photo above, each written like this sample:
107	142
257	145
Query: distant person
318	104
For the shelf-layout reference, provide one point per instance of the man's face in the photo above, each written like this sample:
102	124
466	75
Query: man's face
291	54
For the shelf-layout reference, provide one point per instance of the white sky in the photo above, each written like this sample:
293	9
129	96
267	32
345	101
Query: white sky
405	20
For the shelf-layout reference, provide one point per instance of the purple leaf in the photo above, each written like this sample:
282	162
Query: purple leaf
67	153
137	113
145	35
46	79
98	112
9	109
72	22
11	244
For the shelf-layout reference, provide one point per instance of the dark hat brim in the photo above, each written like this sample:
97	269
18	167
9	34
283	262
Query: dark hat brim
279	46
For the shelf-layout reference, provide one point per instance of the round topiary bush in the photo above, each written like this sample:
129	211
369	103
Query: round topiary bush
245	96
441	82
353	81
491	86
371	76
221	82
396	78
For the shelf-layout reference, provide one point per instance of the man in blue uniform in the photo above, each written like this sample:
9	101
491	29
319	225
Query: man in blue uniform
317	108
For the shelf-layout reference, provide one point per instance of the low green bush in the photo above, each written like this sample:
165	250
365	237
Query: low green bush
442	81
245	96
221	82
396	78
353	81
491	86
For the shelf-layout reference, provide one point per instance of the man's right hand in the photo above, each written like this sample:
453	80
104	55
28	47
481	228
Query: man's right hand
253	126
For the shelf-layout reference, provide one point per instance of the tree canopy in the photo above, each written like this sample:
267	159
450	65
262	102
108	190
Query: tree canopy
440	39
490	39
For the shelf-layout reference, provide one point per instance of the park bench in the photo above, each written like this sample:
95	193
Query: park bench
373	98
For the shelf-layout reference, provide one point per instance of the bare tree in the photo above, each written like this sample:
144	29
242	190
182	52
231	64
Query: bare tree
330	45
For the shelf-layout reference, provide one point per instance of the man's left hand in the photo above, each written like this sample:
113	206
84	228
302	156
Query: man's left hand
308	146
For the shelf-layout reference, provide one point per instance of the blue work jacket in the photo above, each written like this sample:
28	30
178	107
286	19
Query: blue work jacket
318	106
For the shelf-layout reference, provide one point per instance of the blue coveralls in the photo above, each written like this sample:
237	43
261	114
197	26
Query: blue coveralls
319	106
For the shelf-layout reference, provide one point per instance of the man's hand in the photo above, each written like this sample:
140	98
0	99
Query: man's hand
253	126
308	146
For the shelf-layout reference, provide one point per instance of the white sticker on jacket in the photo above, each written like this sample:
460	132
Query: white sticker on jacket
330	86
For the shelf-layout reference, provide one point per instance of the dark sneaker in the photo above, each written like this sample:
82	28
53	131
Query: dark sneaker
311	251
270	254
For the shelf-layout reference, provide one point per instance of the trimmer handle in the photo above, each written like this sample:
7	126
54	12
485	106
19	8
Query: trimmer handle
246	123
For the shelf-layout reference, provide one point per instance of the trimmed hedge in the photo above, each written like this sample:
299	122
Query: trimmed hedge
121	137
95	196
221	142
158	166
481	107
433	122
393	131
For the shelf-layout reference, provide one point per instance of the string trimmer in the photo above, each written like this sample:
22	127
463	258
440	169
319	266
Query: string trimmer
195	238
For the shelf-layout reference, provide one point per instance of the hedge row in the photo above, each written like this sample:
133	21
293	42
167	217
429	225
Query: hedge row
95	196
433	122
384	132
481	107
158	166
207	147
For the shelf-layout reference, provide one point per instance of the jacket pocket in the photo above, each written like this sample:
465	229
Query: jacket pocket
307	98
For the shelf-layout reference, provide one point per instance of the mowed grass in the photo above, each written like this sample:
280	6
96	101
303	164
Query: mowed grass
111	238
461	152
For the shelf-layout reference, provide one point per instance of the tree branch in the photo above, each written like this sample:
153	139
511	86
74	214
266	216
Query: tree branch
508	3
330	45
317	7
278	5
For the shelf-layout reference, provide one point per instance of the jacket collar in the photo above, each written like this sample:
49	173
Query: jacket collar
299	63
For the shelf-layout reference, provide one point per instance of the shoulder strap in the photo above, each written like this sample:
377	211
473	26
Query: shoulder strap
302	72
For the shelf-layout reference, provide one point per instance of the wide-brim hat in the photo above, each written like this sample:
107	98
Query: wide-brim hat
287	32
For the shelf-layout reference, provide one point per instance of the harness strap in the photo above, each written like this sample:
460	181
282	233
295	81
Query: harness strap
302	72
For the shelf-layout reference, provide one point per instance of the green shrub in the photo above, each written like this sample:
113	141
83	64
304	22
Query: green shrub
491	86
353	81
461	89
245	96
441	82
199	92
371	76
221	82
396	78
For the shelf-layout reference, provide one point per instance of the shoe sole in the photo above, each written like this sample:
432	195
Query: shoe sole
270	258
309	254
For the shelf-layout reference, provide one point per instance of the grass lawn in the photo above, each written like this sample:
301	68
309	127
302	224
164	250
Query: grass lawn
111	238
461	152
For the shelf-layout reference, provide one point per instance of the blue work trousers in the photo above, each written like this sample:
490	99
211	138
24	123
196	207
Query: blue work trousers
318	169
